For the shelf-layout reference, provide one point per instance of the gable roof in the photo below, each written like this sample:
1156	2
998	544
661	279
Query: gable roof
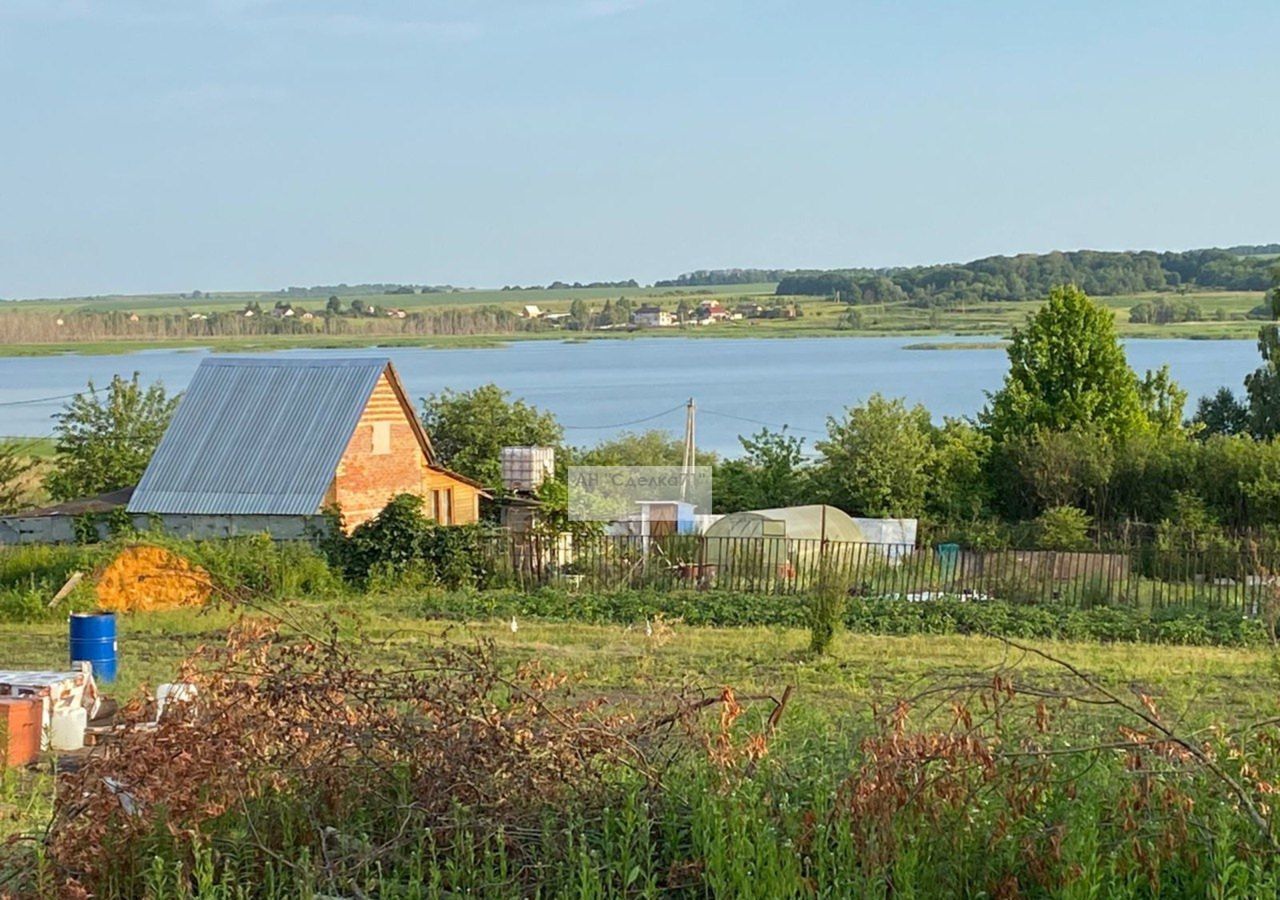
261	436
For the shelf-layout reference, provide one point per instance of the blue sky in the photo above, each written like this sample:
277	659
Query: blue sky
222	144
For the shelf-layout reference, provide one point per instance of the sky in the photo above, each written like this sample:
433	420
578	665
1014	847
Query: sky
176	145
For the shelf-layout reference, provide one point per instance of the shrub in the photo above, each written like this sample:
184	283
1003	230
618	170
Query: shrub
1063	528
401	543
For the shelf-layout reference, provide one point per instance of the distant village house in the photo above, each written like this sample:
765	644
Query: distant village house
650	316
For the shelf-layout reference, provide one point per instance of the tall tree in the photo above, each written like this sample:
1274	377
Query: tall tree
1263	385
468	429
580	314
105	439
958	487
1067	370
877	460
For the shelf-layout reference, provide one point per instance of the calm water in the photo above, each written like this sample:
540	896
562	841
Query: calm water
600	387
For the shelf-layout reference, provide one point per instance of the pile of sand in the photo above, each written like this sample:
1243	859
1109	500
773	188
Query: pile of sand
147	577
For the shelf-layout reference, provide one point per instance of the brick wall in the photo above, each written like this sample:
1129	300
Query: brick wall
367	478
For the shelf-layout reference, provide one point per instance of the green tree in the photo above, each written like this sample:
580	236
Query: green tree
877	460
1162	400
1066	370
1048	469
958	489
1221	414
105	439
770	473
334	306
640	448
622	311
15	465
851	319
684	309
580	314
468	430
1263	385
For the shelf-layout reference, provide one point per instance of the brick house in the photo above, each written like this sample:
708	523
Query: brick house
286	438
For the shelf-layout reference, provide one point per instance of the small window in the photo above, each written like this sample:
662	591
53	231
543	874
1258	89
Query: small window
381	437
442	506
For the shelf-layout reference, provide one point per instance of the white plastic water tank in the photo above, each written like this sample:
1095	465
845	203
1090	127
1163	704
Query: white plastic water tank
66	729
525	468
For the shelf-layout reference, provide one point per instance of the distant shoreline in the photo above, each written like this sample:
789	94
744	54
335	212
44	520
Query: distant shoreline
948	340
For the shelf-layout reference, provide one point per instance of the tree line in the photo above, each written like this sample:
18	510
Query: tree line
1030	276
86	325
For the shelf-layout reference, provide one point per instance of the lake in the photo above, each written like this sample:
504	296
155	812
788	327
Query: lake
600	387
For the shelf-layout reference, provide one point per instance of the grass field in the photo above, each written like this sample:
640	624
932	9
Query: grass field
715	824
1207	683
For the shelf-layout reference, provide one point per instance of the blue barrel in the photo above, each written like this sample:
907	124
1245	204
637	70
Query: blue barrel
93	639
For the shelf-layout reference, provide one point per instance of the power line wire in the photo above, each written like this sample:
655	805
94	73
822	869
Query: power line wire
666	412
34	400
712	412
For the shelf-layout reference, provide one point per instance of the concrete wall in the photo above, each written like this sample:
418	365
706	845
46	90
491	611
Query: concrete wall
61	529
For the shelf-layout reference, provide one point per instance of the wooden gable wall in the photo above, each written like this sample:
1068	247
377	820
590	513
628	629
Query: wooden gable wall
385	457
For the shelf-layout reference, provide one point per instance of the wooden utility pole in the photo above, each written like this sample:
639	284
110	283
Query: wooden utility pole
690	450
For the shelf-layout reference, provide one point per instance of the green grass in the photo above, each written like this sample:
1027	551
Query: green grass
1077	822
32	447
617	658
740	830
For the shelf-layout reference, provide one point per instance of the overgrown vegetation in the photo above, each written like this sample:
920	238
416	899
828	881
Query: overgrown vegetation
403	547
450	768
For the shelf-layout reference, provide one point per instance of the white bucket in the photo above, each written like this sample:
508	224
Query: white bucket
66	729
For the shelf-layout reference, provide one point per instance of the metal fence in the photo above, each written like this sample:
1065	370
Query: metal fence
1236	577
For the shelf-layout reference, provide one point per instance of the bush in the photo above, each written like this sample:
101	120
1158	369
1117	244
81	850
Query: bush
1063	528
401	547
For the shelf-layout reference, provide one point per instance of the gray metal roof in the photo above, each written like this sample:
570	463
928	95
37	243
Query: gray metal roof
257	436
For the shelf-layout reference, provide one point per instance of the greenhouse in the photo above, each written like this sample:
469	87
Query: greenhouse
793	522
776	542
